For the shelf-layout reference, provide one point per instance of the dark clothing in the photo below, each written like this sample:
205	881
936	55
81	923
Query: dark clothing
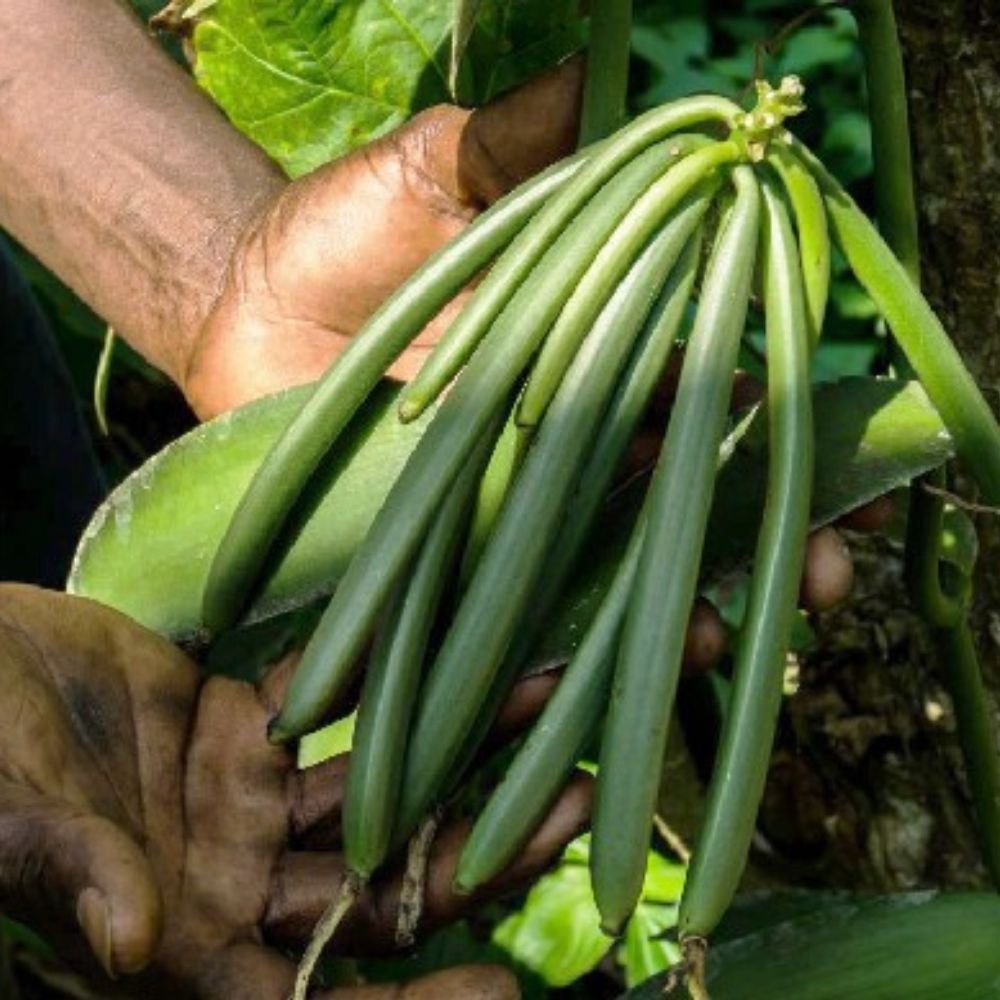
50	481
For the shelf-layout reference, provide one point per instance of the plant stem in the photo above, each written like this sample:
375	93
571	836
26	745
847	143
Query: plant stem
923	561
347	895
895	196
975	732
896	207
606	86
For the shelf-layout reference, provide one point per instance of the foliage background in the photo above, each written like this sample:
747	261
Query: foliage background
301	79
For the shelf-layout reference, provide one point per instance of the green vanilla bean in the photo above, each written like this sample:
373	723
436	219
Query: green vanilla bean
625	411
918	330
629	405
741	763
652	645
603	274
392	680
497	482
571	717
330	658
294	457
608	268
603	163
465	676
606	86
813	233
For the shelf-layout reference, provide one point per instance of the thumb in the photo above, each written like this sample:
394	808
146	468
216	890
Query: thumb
521	133
60	865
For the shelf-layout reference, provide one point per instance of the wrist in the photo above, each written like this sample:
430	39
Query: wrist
217	287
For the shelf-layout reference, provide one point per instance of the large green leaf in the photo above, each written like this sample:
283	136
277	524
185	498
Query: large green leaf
147	551
921	946
309	80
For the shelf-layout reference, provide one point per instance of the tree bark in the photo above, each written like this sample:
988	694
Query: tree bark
867	790
953	56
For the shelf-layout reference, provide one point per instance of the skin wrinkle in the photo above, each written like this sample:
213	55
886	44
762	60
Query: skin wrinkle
415	150
94	753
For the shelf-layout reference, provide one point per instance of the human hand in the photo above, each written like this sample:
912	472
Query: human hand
335	244
144	806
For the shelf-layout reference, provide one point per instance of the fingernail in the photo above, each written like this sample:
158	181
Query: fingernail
94	916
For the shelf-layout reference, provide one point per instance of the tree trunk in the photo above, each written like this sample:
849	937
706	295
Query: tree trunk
868	790
953	54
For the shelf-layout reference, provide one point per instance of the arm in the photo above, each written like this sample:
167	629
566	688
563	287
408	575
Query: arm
118	174
126	181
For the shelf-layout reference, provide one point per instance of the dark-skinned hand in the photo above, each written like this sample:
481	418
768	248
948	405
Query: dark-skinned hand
143	805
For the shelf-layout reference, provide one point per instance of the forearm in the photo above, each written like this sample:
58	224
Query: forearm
118	174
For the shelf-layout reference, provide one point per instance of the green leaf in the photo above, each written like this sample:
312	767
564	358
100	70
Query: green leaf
558	932
918	946
464	22
174	510
147	551
337	738
310	80
847	146
515	39
664	881
646	950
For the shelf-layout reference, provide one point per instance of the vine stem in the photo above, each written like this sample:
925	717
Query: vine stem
606	86
975	732
102	379
411	897
892	148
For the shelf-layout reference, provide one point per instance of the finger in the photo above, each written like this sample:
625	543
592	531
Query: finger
521	133
872	517
464	982
249	971
60	864
829	571
316	794
525	703
747	391
304	884
246	971
316	797
706	640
